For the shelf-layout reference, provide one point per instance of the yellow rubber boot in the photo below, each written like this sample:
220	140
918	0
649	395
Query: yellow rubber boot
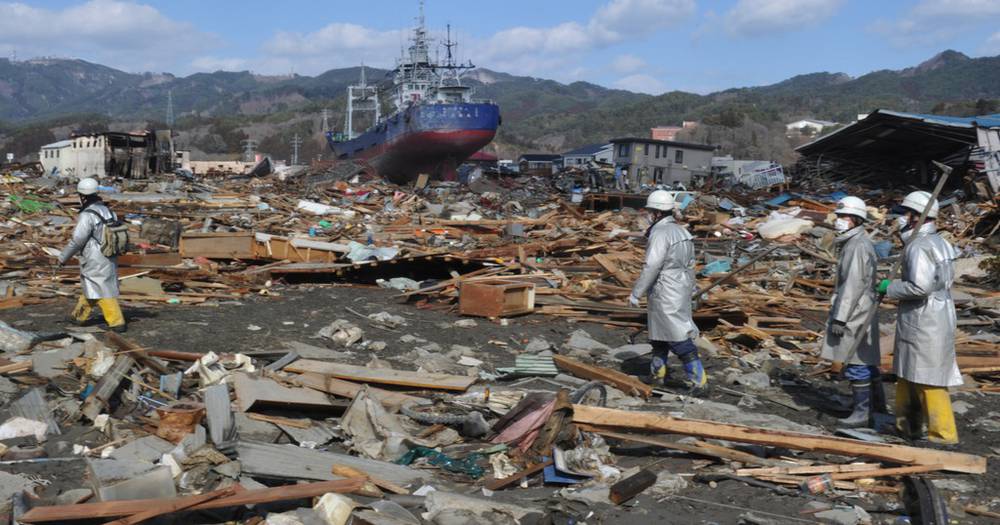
908	413
940	418
112	312
81	313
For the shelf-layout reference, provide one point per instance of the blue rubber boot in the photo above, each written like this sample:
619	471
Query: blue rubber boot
862	415
695	371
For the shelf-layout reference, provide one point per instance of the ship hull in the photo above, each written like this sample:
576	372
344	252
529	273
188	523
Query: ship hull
426	138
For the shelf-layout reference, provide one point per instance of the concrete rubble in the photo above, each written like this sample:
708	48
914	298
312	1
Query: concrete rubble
474	360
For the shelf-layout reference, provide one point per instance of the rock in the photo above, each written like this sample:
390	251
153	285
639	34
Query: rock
411	339
342	332
11	484
955	485
73	496
8	391
387	320
429	348
466	323
755	381
626	352
961	407
844	515
376	346
581	340
667	483
537	344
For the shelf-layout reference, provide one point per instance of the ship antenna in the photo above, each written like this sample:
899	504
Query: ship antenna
448	44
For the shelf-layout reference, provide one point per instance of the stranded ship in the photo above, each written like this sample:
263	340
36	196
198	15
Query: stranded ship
436	124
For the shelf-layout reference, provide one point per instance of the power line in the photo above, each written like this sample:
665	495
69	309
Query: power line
170	108
249	147
296	142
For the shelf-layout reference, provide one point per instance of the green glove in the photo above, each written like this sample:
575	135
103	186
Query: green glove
883	286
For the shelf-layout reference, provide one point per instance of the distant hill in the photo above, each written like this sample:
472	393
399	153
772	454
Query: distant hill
44	98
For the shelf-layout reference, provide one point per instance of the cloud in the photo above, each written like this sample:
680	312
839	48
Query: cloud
553	51
934	21
762	17
118	33
212	64
625	64
642	83
992	44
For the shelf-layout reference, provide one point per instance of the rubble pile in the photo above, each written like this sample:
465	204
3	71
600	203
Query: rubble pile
371	423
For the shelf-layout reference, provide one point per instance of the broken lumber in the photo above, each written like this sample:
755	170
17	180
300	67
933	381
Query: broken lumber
906	455
111	509
173	506
361	374
340	388
623	382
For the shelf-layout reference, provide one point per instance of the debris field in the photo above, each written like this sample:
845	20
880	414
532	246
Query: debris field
312	348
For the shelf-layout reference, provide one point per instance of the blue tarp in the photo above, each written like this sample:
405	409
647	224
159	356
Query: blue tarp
780	199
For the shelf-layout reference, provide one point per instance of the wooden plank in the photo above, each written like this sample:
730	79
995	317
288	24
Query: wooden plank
700	448
172	506
238	245
623	382
383	376
111	509
906	455
339	387
612	268
97	401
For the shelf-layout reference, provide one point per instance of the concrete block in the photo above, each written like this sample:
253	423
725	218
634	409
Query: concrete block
113	480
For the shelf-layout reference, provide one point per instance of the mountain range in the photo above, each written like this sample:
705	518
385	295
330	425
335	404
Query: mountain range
221	108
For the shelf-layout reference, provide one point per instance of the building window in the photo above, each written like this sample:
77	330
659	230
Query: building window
646	153
657	151
623	150
679	157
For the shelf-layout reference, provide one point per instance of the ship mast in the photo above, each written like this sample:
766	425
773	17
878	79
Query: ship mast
360	97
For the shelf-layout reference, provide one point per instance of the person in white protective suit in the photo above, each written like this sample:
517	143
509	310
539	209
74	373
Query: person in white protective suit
668	279
853	299
98	274
924	355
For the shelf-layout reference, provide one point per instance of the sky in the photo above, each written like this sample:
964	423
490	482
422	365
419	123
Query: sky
649	46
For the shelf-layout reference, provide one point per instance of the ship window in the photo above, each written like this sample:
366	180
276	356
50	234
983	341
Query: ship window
679	157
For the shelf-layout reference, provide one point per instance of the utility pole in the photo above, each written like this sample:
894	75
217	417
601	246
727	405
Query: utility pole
170	108
296	142
249	147
326	120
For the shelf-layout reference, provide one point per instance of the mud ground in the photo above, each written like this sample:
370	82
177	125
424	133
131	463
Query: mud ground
296	314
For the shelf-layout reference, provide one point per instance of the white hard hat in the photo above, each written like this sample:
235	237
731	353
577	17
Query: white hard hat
852	206
917	201
661	200
87	186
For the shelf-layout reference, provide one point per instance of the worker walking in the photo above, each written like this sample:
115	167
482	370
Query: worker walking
853	299
98	258
924	358
668	278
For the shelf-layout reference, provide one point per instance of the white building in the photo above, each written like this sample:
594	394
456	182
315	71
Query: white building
813	125
603	153
75	158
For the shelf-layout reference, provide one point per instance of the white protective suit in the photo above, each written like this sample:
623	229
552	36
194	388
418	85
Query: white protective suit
925	325
853	299
98	274
668	278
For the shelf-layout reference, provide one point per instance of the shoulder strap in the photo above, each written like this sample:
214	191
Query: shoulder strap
98	215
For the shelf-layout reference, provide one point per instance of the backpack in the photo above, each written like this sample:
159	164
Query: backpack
114	241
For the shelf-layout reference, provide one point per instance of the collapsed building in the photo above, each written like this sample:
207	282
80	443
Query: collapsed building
900	147
110	154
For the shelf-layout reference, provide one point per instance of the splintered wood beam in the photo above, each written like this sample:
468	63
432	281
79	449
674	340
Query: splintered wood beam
111	509
623	382
905	455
